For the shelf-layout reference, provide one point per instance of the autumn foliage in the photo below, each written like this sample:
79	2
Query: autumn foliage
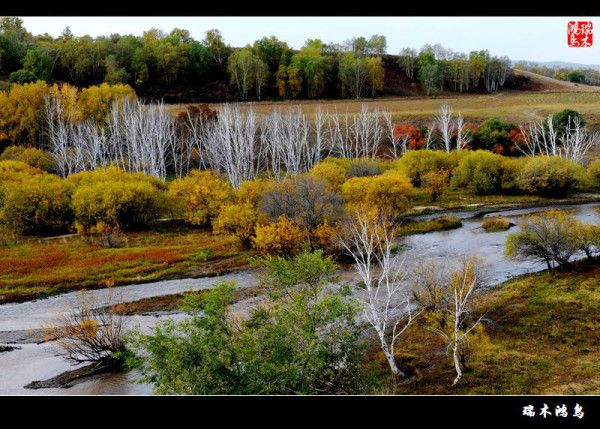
283	237
199	197
390	190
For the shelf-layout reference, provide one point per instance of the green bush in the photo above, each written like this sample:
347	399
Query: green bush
481	171
304	340
36	204
417	163
495	135
550	176
22	77
29	155
560	120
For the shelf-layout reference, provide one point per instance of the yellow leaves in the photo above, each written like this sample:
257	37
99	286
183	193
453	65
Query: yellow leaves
376	73
283	237
252	191
94	102
111	197
10	166
22	106
237	219
435	182
88	329
21	110
325	237
29	155
390	191
331	171
200	196
35	203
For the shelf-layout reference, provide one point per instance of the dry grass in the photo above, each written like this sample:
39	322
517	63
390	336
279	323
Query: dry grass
542	339
516	106
495	224
442	223
39	267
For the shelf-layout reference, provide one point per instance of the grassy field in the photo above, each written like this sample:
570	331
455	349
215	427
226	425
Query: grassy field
515	106
542	339
40	267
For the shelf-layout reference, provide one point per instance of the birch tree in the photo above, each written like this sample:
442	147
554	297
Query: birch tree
230	145
542	138
577	141
463	136
445	125
458	290
387	306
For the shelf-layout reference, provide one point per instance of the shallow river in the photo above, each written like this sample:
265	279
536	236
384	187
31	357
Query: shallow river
38	361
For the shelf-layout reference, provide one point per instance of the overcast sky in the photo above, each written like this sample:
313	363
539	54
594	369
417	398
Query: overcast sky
519	38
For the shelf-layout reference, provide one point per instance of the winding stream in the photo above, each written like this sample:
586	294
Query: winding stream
38	361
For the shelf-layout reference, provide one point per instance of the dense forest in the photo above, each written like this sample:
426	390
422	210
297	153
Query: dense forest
177	68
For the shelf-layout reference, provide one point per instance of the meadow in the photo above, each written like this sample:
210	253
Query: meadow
514	106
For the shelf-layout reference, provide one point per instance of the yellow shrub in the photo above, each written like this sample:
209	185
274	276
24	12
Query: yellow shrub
252	191
593	173
435	182
31	156
331	171
36	204
112	174
21	110
113	197
126	204
326	237
200	196
239	220
390	191
95	101
10	166
417	163
283	237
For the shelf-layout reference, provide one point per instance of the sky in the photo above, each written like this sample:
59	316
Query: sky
520	38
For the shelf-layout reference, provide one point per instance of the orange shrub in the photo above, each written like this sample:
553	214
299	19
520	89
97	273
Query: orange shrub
416	140
326	237
435	182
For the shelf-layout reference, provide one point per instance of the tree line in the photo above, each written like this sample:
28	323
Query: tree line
167	65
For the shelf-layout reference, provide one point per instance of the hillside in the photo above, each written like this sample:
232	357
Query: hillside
538	82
